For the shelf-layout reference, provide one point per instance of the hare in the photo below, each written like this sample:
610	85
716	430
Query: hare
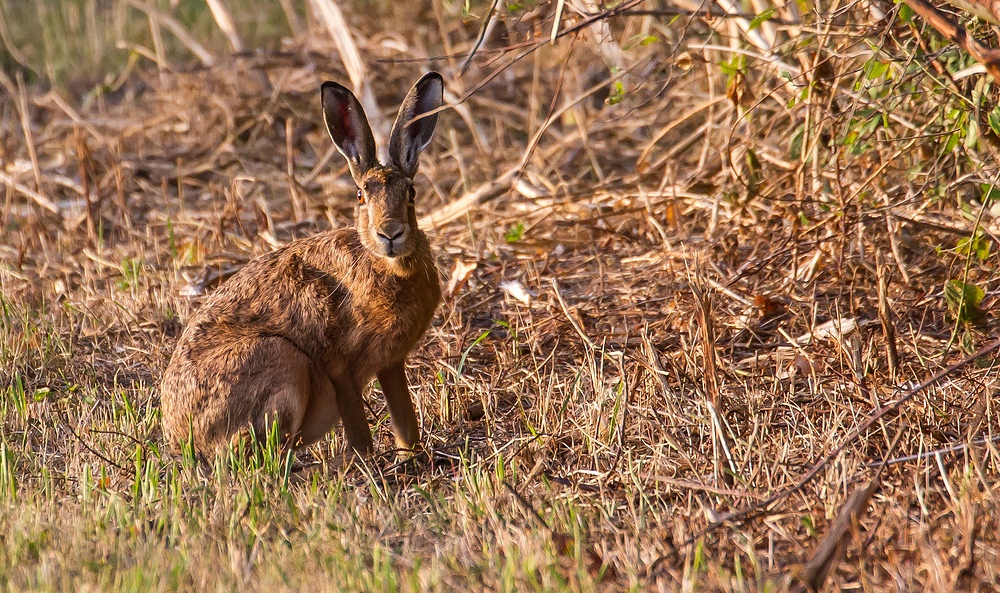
296	335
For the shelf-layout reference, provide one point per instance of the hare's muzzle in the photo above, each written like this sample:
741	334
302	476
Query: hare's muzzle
391	237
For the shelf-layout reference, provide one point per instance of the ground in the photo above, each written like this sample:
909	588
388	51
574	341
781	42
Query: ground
692	307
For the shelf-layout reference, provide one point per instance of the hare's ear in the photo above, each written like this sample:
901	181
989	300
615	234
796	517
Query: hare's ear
345	119
408	137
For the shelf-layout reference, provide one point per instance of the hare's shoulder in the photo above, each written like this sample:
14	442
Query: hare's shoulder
334	253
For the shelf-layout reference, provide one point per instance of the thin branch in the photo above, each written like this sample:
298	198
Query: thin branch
889	408
479	40
956	33
955	448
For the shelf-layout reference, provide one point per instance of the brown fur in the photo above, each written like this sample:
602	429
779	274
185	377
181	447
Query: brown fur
297	333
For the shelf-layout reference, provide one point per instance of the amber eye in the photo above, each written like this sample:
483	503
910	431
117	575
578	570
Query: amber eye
413	194
361	196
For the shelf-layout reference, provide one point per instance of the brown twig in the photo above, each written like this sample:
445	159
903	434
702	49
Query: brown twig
830	551
892	354
957	34
293	188
479	40
83	160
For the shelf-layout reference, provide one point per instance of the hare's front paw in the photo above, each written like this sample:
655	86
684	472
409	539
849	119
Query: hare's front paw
413	452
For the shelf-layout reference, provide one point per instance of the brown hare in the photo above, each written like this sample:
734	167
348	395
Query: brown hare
296	335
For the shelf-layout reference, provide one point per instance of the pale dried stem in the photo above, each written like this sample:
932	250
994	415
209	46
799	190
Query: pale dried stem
225	21
38	198
294	21
293	188
29	140
459	208
600	34
332	17
158	17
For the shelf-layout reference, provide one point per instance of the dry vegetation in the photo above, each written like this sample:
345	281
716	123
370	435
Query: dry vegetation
706	261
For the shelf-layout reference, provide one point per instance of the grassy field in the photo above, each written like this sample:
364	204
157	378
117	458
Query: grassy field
698	272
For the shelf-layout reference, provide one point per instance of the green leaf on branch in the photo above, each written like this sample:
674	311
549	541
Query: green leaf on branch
617	93
977	245
761	18
963	301
994	120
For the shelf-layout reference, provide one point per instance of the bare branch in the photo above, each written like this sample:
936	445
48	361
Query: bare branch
957	34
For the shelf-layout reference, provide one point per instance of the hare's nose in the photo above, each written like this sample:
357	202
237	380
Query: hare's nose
391	234
391	231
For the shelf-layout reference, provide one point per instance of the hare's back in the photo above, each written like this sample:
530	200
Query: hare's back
292	292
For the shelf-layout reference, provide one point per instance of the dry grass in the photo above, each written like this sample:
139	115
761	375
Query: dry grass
674	311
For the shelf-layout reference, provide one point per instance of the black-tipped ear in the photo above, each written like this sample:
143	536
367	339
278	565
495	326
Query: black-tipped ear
345	119
408	139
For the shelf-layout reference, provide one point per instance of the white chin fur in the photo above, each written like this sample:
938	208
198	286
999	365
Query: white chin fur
396	264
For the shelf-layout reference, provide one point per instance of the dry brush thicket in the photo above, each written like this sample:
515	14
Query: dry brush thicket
687	256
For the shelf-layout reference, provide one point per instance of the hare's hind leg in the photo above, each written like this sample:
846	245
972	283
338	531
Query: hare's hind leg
234	389
278	378
321	413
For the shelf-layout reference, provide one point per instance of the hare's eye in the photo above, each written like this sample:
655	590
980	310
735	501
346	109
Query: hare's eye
413	194
361	196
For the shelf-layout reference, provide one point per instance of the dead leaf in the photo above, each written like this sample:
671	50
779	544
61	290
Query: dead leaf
563	543
803	366
739	92
475	411
768	306
209	276
835	329
460	273
516	290
684	61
